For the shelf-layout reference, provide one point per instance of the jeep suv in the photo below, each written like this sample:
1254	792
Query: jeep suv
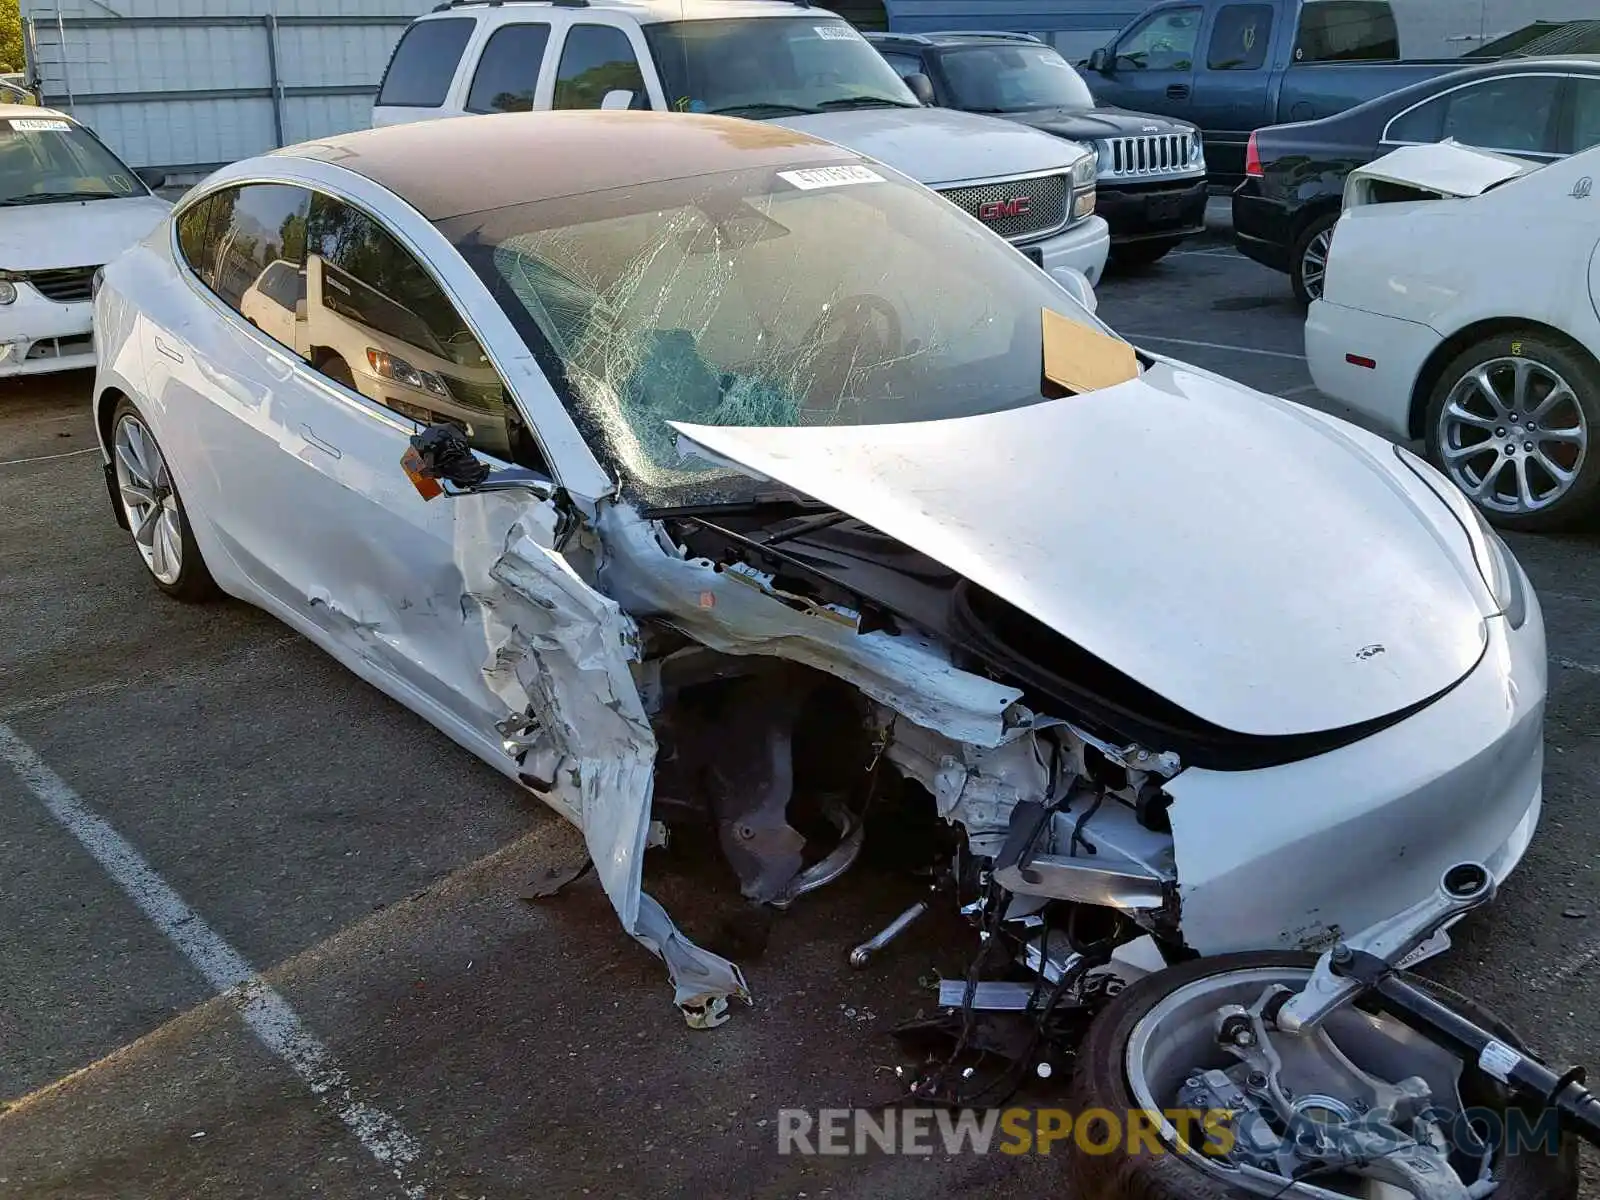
766	60
1152	177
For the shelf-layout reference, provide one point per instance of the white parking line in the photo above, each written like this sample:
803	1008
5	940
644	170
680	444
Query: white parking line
11	462
1573	664
1151	337
266	1013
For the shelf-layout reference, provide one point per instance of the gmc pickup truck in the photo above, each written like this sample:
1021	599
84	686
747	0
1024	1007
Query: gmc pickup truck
1233	66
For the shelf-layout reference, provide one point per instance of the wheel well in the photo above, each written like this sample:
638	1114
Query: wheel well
1433	368
1319	208
104	405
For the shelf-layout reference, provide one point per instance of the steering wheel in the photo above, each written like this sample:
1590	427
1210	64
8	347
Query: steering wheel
868	327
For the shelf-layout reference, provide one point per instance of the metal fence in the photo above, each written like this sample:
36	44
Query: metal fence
184	94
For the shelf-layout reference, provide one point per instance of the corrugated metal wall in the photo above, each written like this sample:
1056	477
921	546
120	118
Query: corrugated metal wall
186	85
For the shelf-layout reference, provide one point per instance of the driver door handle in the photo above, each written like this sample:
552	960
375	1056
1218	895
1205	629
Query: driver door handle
172	353
312	439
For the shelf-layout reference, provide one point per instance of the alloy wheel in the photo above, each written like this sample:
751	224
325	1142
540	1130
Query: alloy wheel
1314	262
1512	435
145	487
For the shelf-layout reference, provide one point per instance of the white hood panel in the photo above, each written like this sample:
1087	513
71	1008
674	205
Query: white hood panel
83	233
939	146
1224	548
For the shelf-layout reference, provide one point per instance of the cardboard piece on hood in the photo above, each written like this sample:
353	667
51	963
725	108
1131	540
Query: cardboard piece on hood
1081	359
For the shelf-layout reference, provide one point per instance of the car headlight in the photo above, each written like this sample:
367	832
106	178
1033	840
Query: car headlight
8	291
1085	170
402	372
1197	149
1496	564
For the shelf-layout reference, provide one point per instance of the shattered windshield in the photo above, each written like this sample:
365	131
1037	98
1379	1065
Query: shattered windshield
761	67
814	296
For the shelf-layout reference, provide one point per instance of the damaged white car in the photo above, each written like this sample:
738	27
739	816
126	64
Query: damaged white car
728	476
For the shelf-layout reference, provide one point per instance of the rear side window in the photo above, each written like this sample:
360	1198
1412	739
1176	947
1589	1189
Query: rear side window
1239	37
1585	114
425	62
197	239
508	69
256	244
597	59
1516	113
1347	31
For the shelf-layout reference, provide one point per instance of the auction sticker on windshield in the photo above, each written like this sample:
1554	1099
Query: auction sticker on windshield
39	125
835	33
811	178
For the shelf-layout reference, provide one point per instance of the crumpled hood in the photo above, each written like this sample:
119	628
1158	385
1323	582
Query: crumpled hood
84	233
1232	552
1092	124
940	146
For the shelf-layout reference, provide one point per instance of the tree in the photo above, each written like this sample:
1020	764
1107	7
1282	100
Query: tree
11	57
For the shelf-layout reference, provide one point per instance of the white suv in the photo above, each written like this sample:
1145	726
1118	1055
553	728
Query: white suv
766	60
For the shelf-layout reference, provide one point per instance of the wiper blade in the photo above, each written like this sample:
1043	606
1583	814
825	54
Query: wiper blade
770	110
55	198
863	102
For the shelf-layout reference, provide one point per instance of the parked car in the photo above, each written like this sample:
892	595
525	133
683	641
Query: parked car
67	206
1460	307
1151	186
1231	67
1284	211
771	60
808	466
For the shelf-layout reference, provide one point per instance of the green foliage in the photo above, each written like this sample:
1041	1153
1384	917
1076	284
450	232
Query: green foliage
10	36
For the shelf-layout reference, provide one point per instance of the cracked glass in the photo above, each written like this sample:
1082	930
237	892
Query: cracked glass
761	298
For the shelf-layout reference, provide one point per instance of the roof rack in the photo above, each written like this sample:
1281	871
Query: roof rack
998	34
447	5
876	35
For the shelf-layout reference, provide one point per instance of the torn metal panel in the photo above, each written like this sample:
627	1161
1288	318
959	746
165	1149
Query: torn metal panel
559	658
908	673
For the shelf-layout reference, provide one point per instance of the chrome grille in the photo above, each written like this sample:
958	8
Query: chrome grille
65	286
1046	200
1149	154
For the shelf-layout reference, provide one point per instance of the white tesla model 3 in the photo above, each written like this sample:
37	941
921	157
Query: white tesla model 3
722	443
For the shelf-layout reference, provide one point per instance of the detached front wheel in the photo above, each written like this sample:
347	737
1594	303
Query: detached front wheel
1167	1111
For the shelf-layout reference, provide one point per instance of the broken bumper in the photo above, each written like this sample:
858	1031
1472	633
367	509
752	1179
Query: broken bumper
38	336
1297	855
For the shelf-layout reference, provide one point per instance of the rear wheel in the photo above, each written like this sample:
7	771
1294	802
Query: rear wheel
1143	253
1146	1048
1308	261
154	511
1509	422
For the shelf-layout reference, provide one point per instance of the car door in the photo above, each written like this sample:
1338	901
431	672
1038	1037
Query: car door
390	577
1231	92
1517	114
228	388
1151	66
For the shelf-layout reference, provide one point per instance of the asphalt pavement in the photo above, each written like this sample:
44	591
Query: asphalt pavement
193	796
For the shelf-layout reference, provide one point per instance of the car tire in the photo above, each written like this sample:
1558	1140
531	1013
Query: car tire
1553	362
1308	259
191	582
1100	1082
1144	253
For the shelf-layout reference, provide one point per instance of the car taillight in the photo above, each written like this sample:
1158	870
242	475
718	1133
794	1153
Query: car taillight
1252	159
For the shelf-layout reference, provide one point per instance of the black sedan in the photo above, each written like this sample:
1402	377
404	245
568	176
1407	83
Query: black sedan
1284	211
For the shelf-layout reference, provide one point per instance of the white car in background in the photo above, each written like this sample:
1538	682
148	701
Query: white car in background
1461	308
68	205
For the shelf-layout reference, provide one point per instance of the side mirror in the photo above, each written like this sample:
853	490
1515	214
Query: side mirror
300	309
440	462
1100	60
922	88
617	98
1076	284
152	179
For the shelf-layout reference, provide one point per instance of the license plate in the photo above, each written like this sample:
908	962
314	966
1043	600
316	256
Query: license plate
1162	208
1036	255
